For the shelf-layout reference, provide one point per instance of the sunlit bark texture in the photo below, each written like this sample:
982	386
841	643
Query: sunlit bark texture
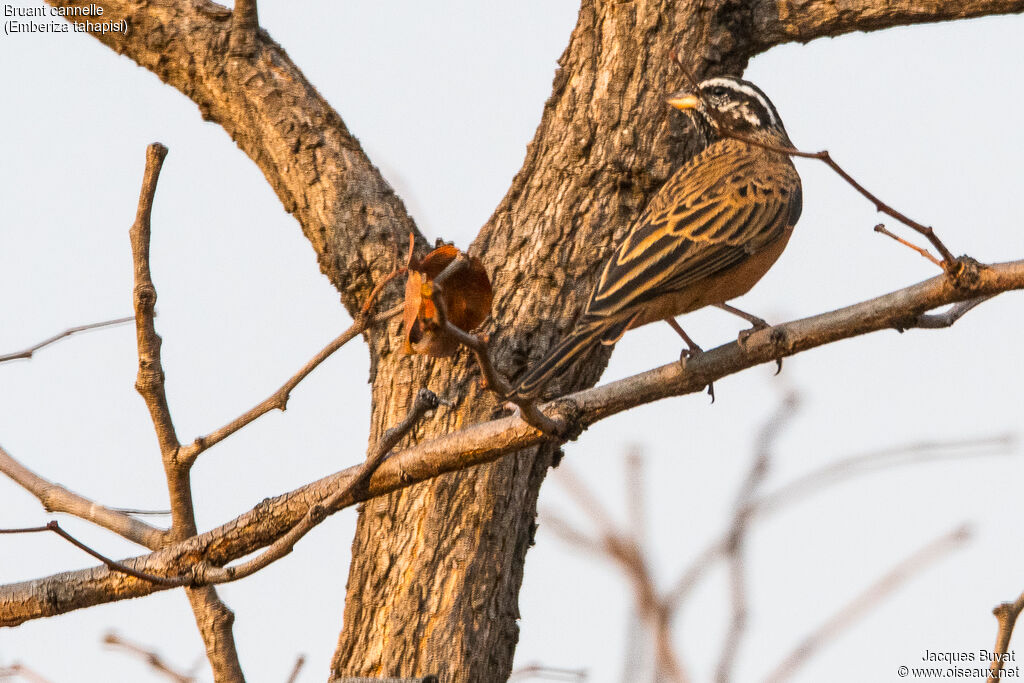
436	568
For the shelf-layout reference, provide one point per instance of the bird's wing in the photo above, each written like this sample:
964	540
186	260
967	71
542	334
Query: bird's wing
720	208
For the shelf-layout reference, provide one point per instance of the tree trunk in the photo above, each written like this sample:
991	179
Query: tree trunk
436	568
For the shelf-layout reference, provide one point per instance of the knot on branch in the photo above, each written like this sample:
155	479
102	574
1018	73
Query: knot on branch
145	296
965	273
570	419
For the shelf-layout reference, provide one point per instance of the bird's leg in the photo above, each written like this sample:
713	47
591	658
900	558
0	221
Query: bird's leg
758	324
691	350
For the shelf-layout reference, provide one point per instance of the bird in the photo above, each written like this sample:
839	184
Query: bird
706	237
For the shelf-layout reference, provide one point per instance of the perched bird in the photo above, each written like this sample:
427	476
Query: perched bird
708	235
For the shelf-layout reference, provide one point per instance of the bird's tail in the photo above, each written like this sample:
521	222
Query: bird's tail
586	335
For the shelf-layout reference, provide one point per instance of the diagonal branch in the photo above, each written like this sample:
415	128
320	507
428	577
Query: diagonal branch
487	441
860	605
425	401
113	565
317	168
153	659
27	353
56	498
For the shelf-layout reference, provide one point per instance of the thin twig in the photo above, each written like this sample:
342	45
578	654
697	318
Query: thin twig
279	399
880	228
1006	615
548	673
839	471
625	550
845	468
56	498
113	565
425	401
862	604
735	540
943	320
141	512
153	659
17	669
27	353
299	663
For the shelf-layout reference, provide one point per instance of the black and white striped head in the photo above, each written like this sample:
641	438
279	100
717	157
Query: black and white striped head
738	105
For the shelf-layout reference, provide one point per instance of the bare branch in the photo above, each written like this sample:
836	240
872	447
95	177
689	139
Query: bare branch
153	659
784	21
1006	615
150	381
23	671
299	663
215	622
735	539
27	353
56	498
548	673
313	163
425	401
487	441
834	473
845	468
113	565
212	616
863	603
279	399
881	229
941	320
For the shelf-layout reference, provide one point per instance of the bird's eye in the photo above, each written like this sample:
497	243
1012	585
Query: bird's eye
718	91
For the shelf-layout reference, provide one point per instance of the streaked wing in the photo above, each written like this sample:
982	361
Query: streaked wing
715	212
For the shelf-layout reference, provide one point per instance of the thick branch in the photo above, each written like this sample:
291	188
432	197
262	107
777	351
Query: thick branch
786	21
349	213
488	441
425	401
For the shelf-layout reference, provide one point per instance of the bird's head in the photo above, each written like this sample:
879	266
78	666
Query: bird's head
735	104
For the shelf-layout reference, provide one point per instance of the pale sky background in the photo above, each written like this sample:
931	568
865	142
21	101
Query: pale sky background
444	97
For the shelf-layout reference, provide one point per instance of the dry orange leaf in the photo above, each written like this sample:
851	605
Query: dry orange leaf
467	298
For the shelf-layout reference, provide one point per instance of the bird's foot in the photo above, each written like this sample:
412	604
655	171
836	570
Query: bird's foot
692	352
743	339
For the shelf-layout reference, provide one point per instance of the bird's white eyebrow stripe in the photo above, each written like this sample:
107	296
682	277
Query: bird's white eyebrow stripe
747	90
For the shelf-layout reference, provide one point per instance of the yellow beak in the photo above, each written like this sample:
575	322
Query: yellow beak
684	102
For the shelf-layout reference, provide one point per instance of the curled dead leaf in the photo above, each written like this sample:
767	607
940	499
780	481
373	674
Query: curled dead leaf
467	299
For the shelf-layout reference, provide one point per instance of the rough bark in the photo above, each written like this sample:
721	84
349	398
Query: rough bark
437	567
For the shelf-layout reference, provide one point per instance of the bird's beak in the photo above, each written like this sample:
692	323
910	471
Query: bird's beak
684	101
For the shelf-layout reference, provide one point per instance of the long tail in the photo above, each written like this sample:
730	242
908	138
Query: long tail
573	347
586	335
